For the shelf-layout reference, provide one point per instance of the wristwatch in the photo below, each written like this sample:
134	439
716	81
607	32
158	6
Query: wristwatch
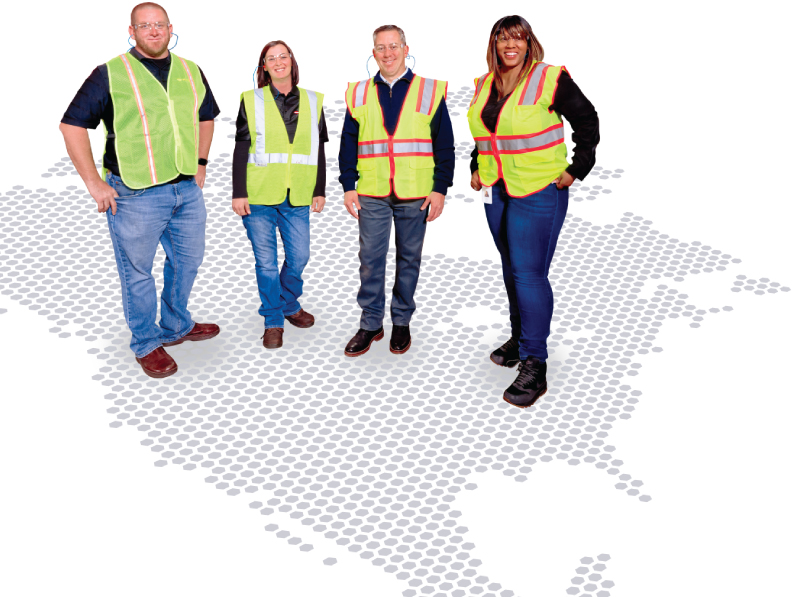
202	162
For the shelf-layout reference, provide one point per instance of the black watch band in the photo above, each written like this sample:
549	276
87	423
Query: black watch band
202	162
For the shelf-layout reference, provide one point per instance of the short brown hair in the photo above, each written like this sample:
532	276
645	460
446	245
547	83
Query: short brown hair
264	77
147	5
512	25
383	28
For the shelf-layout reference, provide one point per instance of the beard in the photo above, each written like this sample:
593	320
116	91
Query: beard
153	48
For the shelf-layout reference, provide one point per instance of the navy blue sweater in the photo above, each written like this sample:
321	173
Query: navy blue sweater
391	100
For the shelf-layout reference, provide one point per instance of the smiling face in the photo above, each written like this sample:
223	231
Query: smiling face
511	49
391	62
151	42
278	63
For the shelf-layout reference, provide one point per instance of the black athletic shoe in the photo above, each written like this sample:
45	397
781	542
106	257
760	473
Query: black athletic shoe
401	339
531	383
360	343
507	355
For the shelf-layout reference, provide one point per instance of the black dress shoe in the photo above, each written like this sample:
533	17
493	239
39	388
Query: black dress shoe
360	343
400	340
507	355
531	383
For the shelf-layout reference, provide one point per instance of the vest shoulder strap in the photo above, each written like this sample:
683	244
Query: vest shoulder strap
479	83
356	95
429	95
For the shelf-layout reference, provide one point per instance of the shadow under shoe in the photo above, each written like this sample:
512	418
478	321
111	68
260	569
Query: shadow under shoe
506	355
531	383
360	343
400	341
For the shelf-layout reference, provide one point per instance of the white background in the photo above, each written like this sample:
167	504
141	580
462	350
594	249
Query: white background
697	102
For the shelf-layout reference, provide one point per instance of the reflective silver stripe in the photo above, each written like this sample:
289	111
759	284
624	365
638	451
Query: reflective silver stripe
484	145
265	159
532	85
372	148
414	147
259	109
479	87
531	143
358	100
427	95
313	156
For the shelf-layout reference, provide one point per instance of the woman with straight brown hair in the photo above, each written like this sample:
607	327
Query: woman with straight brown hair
278	172
520	165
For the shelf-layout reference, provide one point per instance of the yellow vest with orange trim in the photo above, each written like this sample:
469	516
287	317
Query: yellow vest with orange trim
401	163
527	150
156	129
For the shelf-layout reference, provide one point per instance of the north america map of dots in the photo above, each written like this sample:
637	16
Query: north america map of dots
369	453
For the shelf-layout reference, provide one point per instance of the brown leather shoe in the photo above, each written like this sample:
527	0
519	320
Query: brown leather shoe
273	337
200	331
158	363
301	319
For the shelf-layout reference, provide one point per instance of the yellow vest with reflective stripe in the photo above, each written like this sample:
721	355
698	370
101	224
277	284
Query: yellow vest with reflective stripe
156	129
527	151
275	166
401	163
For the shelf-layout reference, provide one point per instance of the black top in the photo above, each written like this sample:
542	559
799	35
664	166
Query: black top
288	105
93	103
570	103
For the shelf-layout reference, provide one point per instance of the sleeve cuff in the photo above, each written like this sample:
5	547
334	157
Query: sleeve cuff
80	123
348	185
440	187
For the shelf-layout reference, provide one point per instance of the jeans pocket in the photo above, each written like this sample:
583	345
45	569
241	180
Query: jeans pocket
123	190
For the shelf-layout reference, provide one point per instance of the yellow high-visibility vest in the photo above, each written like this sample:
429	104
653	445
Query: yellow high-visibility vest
275	166
401	163
527	150
156	129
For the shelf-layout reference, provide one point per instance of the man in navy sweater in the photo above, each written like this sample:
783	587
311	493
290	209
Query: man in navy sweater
405	176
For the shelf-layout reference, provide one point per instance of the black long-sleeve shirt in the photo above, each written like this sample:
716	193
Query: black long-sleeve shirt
92	104
288	105
570	102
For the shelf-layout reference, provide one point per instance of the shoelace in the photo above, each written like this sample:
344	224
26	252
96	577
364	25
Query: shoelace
510	343
527	373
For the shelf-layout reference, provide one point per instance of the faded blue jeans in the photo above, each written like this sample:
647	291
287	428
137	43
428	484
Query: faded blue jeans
175	216
374	227
279	291
525	231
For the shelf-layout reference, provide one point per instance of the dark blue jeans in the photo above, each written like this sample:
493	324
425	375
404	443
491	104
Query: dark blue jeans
374	226
525	231
279	291
175	216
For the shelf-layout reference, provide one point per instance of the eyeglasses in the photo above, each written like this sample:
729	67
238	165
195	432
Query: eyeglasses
158	26
393	47
272	59
507	38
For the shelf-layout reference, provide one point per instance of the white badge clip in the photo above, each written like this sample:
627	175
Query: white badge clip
486	195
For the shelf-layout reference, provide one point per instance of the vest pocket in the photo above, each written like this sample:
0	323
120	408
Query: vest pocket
418	162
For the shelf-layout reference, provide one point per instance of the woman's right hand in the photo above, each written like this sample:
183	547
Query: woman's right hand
241	207
475	183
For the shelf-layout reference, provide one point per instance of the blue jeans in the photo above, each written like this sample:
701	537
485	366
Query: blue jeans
374	226
279	291
525	231
175	216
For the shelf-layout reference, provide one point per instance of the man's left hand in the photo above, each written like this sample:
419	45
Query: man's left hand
564	180
200	177
436	201
317	204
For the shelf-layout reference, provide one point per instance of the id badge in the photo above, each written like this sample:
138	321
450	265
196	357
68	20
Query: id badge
486	195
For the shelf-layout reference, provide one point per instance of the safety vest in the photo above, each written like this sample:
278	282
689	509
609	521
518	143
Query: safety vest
156	130
401	163
275	166
527	151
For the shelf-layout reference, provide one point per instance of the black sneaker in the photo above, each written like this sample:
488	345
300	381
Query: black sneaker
531	383
401	339
507	355
360	343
